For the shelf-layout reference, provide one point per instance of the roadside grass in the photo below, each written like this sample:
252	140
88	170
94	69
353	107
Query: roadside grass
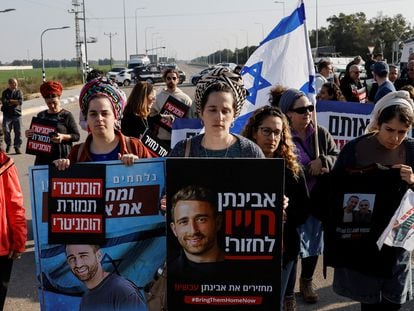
29	80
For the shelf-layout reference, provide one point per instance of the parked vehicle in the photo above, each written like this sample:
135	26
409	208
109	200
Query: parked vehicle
153	74
124	77
138	60
196	77
111	74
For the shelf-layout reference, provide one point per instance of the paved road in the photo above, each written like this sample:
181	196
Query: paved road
22	294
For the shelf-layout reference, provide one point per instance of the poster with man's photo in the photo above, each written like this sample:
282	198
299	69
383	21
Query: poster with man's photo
224	233
134	246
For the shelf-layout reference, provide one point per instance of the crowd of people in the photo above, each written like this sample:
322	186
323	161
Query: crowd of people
285	127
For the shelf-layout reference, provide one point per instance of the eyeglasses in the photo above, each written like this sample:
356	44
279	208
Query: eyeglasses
303	110
267	131
171	78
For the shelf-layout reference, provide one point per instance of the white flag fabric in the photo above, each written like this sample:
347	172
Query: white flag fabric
284	57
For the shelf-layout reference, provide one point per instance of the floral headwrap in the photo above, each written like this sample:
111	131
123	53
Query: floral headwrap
103	87
222	75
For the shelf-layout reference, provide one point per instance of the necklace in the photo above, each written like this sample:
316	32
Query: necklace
216	153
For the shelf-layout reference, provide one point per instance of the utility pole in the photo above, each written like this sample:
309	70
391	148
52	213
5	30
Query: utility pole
110	35
78	44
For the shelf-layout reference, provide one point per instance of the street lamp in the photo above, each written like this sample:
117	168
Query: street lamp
125	38
247	43
110	35
152	39
7	10
283	3
235	50
146	47
257	23
41	48
136	29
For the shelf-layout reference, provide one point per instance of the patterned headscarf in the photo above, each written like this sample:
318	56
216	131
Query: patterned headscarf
103	87
226	76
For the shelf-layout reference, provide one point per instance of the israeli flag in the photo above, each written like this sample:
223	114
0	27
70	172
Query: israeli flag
284	57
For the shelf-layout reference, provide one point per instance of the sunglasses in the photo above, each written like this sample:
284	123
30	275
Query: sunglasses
267	131
303	110
171	78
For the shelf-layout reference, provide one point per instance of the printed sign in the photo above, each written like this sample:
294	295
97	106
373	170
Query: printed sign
134	246
154	145
222	225
40	142
172	107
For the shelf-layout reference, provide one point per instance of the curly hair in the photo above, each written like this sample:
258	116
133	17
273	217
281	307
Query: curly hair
136	103
275	93
334	91
286	148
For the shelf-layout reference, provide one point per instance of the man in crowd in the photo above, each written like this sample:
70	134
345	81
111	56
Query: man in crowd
324	71
352	87
380	71
409	80
12	100
106	291
394	73
171	78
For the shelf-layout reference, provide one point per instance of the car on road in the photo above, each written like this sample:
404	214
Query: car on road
124	77
196	77
153	74
111	74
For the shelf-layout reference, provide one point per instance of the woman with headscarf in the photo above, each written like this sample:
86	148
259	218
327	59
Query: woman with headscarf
102	104
268	127
386	143
67	129
317	153
219	97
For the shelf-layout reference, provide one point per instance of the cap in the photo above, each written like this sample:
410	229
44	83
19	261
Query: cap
380	68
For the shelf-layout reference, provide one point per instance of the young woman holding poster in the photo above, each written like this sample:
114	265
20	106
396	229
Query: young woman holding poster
102	104
386	143
317	154
269	128
219	98
67	129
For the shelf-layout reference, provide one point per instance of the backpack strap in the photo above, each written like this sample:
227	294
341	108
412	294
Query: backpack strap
187	147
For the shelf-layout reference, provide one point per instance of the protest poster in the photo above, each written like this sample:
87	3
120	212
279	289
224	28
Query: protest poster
40	142
134	245
154	145
76	205
235	262
174	107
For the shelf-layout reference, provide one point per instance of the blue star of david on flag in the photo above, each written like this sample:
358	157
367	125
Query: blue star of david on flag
259	81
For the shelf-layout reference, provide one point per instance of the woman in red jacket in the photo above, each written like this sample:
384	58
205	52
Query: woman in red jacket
13	228
102	103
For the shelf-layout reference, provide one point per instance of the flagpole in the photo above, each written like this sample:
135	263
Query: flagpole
311	68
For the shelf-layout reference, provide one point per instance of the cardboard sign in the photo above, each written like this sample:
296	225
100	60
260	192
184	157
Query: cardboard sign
40	142
245	237
173	107
154	145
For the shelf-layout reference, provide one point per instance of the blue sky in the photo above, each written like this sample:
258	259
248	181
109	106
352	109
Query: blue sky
188	28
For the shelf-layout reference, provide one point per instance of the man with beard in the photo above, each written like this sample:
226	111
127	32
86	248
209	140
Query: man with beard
106	291
195	222
171	78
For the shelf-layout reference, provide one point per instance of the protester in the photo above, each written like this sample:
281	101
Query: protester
102	103
317	154
67	130
219	98
380	71
386	143
394	73
269	128
106	291
275	93
352	87
12	100
171	77
325	72
136	120
330	91
408	79
13	222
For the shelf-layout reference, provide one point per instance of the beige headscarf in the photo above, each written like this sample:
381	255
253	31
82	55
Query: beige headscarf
391	99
